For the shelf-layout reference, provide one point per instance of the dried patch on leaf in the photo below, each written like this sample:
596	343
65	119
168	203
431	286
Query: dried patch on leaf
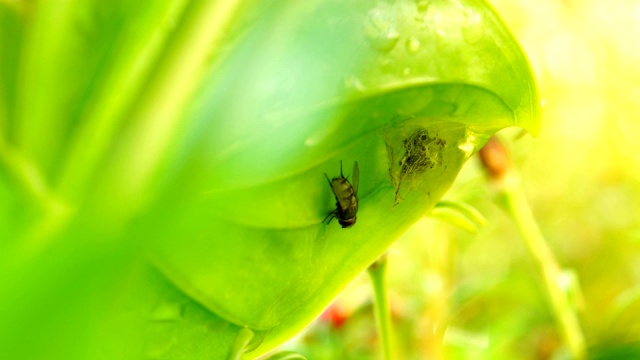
419	152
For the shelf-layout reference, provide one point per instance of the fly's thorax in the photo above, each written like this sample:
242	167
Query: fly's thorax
341	185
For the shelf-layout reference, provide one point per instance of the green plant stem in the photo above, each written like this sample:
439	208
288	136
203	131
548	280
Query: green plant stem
381	306
287	355
156	118
243	339
518	207
27	177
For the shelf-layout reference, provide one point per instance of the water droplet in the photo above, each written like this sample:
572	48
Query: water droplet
167	311
380	31
386	65
472	29
157	347
435	19
322	134
413	45
353	82
445	19
468	144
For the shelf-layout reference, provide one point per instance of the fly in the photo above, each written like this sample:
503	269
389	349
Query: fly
346	197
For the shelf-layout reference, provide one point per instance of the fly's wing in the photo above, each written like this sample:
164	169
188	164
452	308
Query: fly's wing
355	177
343	192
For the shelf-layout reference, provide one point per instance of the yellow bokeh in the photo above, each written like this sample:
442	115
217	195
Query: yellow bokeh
582	178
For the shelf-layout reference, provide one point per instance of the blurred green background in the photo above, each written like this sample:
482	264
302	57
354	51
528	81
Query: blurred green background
458	295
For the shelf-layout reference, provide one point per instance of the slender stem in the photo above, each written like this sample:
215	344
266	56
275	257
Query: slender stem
287	355
518	207
172	85
381	306
28	179
155	120
24	173
243	339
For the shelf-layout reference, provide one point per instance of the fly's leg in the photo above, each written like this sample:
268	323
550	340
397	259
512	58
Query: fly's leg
331	215
328	180
341	173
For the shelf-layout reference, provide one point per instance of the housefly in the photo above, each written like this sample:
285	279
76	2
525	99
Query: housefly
346	197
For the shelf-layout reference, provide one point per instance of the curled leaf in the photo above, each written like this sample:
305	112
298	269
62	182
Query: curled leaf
459	214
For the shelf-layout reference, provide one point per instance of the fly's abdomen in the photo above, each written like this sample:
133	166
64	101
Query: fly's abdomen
344	194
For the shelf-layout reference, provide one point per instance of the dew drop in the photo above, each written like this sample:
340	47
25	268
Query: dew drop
413	45
324	133
167	311
158	347
472	29
386	65
380	31
468	144
446	20
353	82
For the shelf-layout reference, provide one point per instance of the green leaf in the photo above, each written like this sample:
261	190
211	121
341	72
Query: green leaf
329	82
462	215
194	136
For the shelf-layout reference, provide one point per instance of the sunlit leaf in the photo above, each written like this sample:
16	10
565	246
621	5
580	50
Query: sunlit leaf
330	82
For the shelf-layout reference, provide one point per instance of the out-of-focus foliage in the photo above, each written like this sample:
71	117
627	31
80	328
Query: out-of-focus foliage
462	296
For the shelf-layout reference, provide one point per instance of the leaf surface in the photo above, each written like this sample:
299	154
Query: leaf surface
321	83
